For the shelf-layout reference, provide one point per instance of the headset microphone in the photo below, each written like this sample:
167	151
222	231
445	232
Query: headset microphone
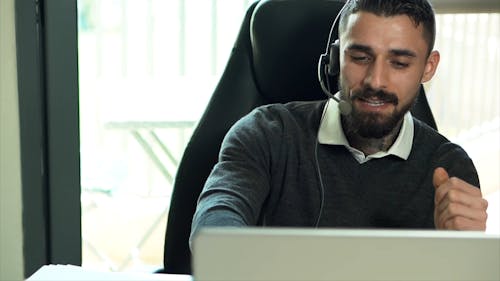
345	108
328	66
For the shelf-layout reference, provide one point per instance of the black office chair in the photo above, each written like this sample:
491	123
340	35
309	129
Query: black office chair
274	60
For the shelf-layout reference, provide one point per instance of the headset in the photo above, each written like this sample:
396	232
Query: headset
329	66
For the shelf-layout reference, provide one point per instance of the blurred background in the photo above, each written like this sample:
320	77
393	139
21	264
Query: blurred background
146	71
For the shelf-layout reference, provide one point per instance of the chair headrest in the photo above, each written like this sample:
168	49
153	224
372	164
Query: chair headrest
288	37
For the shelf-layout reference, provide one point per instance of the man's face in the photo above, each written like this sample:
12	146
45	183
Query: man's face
383	62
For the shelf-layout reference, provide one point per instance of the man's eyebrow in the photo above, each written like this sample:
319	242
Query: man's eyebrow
360	48
403	53
369	50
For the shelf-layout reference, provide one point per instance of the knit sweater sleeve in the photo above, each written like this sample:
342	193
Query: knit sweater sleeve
448	155
457	163
239	183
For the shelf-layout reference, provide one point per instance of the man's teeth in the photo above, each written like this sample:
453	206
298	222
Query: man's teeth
375	102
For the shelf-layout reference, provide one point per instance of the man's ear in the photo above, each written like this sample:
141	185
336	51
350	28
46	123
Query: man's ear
430	66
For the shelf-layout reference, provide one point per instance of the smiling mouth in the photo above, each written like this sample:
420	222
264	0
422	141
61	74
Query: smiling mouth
373	102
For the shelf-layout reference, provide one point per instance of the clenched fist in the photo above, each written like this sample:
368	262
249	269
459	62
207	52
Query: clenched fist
458	205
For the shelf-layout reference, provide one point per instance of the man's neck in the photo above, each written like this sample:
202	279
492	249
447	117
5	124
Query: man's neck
373	145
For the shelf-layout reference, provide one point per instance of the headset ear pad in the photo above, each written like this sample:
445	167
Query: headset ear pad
333	67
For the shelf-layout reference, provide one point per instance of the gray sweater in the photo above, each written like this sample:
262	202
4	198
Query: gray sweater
267	175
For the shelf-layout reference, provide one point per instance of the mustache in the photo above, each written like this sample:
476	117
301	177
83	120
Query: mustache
369	93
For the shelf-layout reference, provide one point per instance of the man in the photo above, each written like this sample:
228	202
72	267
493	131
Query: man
305	164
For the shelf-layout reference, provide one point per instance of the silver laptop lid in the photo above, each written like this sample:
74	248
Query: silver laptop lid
341	254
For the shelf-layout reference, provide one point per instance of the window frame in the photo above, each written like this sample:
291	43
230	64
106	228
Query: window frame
46	35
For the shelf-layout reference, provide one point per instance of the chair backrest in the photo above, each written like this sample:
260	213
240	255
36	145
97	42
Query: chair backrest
274	60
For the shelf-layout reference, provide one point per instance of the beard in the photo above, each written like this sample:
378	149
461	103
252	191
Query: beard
373	124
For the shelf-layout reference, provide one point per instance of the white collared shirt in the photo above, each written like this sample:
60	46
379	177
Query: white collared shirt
331	132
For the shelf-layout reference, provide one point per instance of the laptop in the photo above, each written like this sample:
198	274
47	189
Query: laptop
342	254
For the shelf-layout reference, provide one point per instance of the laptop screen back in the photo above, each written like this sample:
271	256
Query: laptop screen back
341	254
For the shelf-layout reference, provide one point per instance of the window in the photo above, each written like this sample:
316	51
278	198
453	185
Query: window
146	70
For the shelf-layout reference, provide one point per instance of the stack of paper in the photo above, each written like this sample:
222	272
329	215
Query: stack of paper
77	273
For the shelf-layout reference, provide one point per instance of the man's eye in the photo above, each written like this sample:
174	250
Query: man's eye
360	59
399	64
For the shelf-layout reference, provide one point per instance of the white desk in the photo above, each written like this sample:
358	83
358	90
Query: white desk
74	273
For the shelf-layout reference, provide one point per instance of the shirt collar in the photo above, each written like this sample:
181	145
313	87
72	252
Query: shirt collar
331	132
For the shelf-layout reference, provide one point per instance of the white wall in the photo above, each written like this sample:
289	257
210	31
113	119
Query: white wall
11	237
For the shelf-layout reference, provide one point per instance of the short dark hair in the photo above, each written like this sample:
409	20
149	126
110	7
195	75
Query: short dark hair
419	11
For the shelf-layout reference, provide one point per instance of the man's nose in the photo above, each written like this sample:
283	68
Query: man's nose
377	75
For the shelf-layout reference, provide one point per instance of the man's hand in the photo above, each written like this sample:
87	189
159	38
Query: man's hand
457	204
